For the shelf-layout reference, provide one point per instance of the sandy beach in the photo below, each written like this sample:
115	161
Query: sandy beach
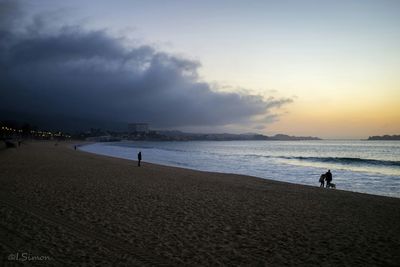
64	207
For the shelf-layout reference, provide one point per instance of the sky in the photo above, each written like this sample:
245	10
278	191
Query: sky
319	68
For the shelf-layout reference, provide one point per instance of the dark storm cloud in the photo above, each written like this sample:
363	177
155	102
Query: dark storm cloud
71	72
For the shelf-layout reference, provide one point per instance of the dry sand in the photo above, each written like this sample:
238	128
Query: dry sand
74	208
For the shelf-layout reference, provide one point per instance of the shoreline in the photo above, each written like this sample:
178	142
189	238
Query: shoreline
315	182
78	207
227	173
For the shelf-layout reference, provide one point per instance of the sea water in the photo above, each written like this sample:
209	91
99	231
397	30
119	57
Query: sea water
362	166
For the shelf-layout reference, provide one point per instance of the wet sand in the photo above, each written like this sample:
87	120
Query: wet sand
67	207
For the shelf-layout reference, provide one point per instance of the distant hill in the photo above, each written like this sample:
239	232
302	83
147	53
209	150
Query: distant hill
384	137
284	137
178	135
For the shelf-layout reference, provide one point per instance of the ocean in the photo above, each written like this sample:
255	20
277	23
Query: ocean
361	166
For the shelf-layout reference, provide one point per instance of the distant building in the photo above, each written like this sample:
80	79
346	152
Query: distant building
138	128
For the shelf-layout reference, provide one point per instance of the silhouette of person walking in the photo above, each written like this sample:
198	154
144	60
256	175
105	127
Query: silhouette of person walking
139	158
328	178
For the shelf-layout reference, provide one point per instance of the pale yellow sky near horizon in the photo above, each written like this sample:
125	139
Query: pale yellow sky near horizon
339	92
350	105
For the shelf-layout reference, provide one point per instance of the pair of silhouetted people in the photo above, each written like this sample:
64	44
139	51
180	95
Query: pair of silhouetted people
139	158
328	178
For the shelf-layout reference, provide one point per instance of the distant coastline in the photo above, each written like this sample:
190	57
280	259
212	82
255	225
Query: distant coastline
182	136
384	137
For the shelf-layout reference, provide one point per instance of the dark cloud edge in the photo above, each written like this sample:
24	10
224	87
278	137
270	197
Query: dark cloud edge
69	73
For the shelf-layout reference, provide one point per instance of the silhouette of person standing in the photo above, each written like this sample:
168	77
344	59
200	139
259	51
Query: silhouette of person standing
139	157
328	178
